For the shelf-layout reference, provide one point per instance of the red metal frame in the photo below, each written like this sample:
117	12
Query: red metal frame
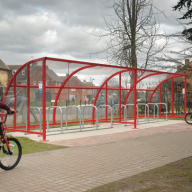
106	100
28	97
119	96
14	84
132	88
168	78
101	87
44	98
185	95
172	96
14	101
62	86
185	101
135	98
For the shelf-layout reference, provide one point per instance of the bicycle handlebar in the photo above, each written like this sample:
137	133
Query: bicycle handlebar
13	112
3	114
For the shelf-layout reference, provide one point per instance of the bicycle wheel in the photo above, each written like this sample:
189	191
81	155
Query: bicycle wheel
188	118
7	161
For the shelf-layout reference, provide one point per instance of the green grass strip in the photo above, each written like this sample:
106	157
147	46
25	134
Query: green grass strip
31	146
174	177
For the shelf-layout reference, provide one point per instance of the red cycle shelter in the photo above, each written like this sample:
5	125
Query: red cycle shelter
45	82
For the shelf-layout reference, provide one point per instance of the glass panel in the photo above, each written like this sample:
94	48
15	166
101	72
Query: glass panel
63	68
166	96
21	105
99	74
179	97
148	95
129	103
127	79
9	101
113	82
9	98
150	80
35	104
21	77
141	97
36	72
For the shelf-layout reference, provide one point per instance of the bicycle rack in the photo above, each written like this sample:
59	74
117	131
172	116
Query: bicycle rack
125	111
82	113
111	112
40	116
165	107
56	107
145	111
155	104
67	115
97	119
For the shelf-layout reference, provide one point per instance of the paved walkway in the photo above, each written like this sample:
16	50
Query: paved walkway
96	160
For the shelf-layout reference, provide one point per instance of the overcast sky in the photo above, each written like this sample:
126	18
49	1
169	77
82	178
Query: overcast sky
30	29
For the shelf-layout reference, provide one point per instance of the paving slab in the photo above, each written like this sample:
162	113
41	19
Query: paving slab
117	155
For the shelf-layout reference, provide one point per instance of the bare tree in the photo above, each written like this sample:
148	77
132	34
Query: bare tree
133	32
181	41
133	38
175	58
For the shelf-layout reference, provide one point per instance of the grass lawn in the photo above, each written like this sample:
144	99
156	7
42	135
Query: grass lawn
174	177
30	146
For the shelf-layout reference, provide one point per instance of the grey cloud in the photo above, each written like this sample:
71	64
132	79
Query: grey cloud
73	12
166	13
57	28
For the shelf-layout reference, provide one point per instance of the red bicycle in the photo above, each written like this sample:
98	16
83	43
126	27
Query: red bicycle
10	148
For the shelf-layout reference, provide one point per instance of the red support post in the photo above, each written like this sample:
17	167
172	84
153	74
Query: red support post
14	102
44	98
185	94
119	96
28	97
160	101
106	101
135	98
172	96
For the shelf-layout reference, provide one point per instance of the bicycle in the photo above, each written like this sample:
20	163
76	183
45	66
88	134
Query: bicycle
188	118
10	148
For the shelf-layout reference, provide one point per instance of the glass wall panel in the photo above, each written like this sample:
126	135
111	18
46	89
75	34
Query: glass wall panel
179	97
36	94
9	101
21	77
166	95
21	106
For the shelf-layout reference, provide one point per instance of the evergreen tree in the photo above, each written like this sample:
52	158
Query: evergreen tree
185	4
